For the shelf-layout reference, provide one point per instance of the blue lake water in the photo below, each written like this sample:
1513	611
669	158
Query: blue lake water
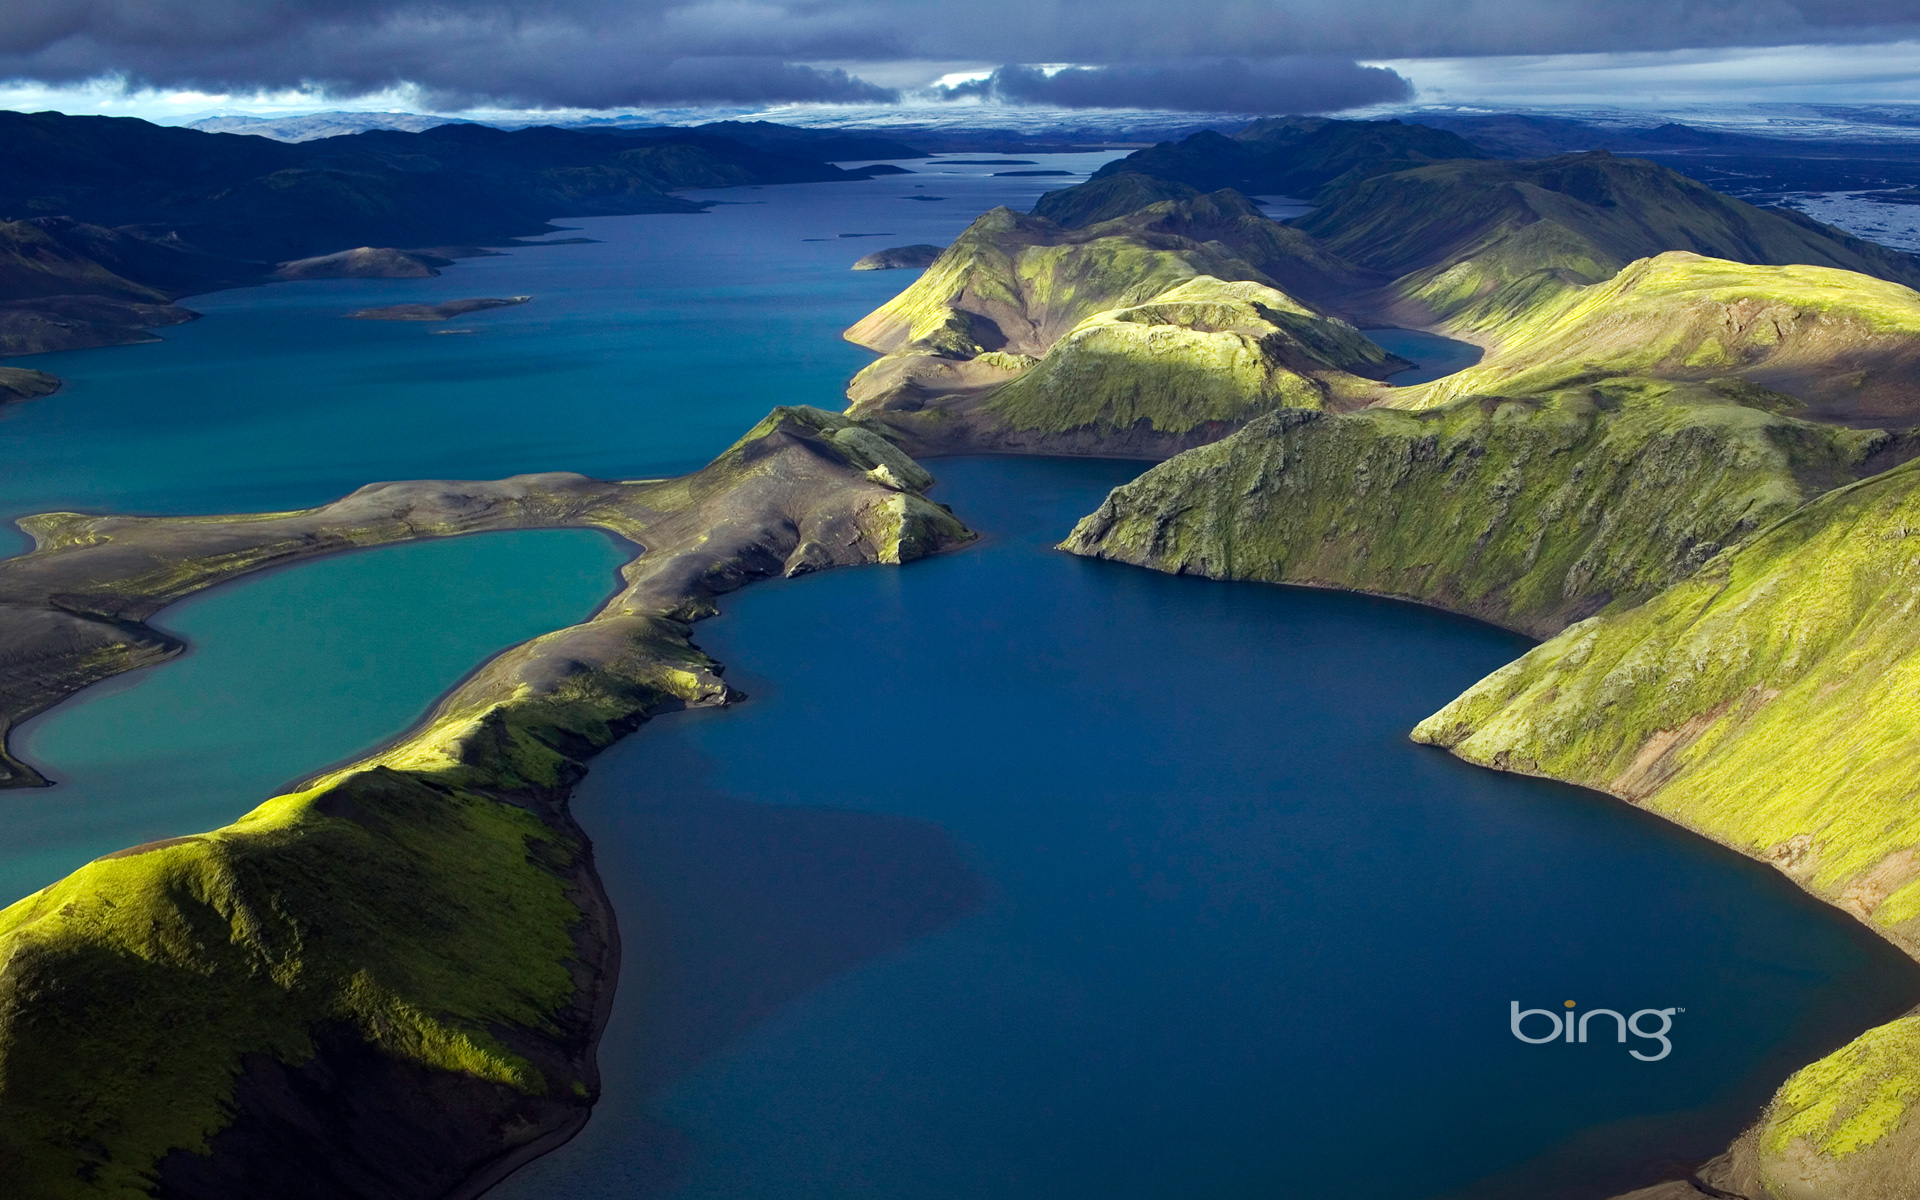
1435	357
1019	875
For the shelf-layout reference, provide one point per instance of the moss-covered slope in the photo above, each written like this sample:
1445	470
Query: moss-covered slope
388	983
1453	233
1529	512
1846	345
1147	337
1016	283
1769	702
1619	435
1205	353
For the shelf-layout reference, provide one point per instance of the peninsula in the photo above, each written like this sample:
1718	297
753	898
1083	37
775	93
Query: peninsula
418	936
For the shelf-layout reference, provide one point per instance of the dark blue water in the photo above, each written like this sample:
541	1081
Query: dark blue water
1434	355
1022	875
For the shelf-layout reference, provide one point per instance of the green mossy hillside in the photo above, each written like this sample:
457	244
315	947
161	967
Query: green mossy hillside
1528	512
1016	283
1769	702
1139	335
429	923
1205	352
1846	344
1454	233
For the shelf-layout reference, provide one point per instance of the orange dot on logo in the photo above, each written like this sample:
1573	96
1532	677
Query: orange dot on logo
1569	1004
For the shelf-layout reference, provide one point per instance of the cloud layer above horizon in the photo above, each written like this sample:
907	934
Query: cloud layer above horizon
1234	55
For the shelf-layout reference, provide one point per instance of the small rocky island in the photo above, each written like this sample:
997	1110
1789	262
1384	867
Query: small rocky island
916	258
364	262
19	383
435	312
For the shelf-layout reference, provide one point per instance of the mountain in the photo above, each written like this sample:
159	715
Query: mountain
1106	197
1453	234
66	285
249	197
309	126
1611	443
119	210
821	145
1293	156
1136	336
1844	346
59	256
389	980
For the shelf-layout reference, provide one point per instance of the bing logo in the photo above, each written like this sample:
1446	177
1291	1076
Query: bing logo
1570	1026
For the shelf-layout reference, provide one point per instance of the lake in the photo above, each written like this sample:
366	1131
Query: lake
1018	874
1030	876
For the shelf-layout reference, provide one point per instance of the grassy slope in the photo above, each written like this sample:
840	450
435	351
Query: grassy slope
1528	512
1203	352
1150	321
1847	344
428	904
1454	233
1768	702
1016	283
1607	448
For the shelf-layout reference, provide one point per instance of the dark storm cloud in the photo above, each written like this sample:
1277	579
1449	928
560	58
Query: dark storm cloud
1297	84
610	53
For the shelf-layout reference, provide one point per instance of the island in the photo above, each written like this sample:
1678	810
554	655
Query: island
445	311
364	262
900	257
18	383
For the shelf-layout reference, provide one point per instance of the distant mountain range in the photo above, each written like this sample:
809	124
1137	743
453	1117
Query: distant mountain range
323	124
104	220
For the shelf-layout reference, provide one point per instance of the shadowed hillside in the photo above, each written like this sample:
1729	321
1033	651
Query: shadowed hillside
112	213
1453	234
1293	156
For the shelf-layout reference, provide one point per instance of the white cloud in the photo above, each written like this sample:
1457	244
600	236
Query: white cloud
1779	74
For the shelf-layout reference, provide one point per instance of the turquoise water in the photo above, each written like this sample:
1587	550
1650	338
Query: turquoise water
644	354
1027	876
287	672
1019	875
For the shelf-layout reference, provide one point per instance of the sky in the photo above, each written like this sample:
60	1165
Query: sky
181	58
